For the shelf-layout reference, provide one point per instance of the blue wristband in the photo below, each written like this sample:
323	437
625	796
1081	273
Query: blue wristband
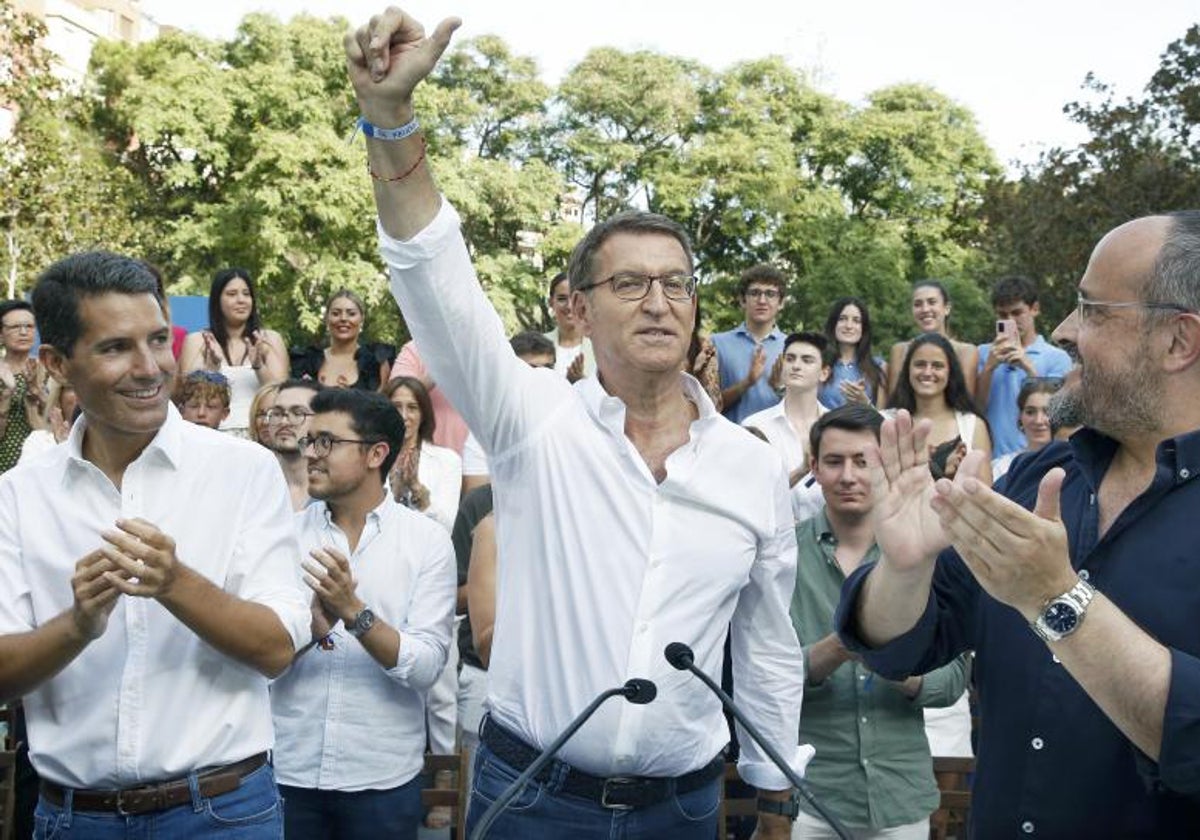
407	130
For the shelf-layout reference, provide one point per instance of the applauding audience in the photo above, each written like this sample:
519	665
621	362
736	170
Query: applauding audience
346	362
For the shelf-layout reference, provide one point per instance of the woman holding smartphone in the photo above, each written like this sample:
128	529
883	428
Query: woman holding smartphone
236	345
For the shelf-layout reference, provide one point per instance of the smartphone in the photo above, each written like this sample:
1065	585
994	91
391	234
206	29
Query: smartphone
1006	328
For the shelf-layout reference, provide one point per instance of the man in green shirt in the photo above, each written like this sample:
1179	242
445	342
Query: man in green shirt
872	767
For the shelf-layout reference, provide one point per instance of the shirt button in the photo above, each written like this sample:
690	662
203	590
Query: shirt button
1184	473
1037	743
864	720
1084	574
862	677
643	627
1027	827
1055	659
866	761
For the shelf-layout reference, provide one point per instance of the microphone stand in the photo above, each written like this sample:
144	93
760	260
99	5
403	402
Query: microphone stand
635	691
680	656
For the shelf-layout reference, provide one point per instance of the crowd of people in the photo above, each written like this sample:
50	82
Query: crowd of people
281	577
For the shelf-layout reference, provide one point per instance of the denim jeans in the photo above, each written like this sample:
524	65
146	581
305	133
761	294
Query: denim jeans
252	812
542	811
311	814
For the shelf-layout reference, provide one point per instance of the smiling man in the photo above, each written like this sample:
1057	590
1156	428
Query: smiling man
619	533
1079	592
148	588
350	714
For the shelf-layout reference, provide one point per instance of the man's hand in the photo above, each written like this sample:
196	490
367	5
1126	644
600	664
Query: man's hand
329	576
575	371
1019	557
322	619
1009	351
95	595
907	529
144	558
388	57
758	363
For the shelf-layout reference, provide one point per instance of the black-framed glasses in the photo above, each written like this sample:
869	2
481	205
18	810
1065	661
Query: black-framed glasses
323	443
1085	305
630	285
296	414
765	294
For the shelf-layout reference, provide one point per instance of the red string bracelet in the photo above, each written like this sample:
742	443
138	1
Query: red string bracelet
402	175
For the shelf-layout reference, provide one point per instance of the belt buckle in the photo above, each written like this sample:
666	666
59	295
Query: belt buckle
137	801
604	792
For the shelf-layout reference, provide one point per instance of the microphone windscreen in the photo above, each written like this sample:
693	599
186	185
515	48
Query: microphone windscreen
679	655
640	691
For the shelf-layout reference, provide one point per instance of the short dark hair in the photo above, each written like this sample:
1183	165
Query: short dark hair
216	320
372	418
15	305
305	384
817	340
554	281
850	417
428	421
762	273
1015	287
583	258
530	343
60	288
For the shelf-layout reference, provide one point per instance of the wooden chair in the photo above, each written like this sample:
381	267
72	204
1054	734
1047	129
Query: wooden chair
953	779
735	803
454	798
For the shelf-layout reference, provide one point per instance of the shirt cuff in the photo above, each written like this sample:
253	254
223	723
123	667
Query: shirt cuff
427	244
1178	767
898	658
764	775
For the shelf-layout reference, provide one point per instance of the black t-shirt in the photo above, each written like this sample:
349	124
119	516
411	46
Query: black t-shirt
471	510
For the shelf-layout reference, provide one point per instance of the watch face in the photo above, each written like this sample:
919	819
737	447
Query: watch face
1060	617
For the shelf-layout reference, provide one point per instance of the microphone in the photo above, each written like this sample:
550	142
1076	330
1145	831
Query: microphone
636	691
680	657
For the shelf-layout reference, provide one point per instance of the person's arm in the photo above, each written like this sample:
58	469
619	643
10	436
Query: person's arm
767	661
272	358
245	631
1021	559
983	386
942	686
192	355
968	357
481	586
824	657
894	366
442	474
758	363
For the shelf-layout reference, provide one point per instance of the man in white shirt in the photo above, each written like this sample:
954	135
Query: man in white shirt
148	587
633	468
806	362
350	714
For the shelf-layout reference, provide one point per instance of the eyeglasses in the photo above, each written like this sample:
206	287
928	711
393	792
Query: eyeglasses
1083	305
629	285
323	443
19	328
765	294
297	414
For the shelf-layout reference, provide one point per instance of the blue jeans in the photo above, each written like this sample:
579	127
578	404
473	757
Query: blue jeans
311	814
252	812
542	811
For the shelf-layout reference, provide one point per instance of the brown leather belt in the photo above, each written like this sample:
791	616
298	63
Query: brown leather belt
157	797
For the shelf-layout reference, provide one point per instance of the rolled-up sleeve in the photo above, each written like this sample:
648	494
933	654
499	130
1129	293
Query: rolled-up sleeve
265	567
1178	766
425	636
768	670
942	687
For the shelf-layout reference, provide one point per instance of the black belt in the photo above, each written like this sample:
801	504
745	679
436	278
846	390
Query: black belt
156	797
620	792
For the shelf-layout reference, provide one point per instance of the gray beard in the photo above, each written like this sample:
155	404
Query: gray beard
1066	408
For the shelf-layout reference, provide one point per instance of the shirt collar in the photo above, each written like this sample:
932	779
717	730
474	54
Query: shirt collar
773	335
1095	450
167	443
609	411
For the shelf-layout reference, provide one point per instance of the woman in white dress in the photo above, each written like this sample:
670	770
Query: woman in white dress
237	345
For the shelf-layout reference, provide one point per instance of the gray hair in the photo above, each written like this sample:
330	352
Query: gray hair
583	258
1176	274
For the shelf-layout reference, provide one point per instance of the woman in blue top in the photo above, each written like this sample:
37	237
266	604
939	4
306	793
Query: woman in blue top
857	377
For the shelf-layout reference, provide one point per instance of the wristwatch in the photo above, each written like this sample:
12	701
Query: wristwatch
1061	616
363	622
789	807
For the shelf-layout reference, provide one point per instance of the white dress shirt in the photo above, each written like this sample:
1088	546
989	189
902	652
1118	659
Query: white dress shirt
600	567
440	470
807	496
149	699
342	720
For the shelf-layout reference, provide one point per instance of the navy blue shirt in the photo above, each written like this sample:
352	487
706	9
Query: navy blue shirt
1051	764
